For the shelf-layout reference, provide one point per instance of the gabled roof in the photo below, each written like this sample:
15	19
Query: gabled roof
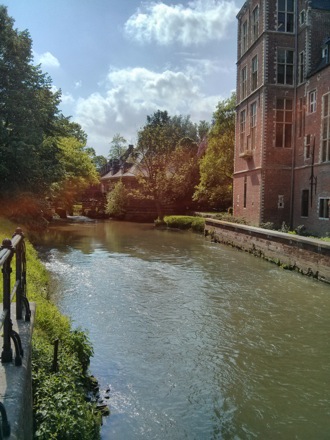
131	171
320	4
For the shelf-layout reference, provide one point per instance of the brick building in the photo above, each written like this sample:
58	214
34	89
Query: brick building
282	149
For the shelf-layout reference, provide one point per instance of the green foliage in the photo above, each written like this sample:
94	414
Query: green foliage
78	172
60	409
41	151
59	405
167	169
301	230
28	109
226	217
118	146
267	225
117	201
284	228
81	345
203	129
66	128
196	224
216	166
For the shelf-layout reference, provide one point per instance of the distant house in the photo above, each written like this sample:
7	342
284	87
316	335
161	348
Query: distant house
127	170
282	148
119	169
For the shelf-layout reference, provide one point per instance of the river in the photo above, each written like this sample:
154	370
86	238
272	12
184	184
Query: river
196	340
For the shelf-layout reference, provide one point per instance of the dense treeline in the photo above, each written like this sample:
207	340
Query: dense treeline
41	151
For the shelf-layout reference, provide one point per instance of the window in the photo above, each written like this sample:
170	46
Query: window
283	123
242	129
307	146
285	15
324	208
304	202
254	76
253	124
312	101
285	66
301	67
245	192
302	17
243	82
325	146
255	23
244	37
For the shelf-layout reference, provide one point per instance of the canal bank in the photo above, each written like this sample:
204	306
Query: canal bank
308	256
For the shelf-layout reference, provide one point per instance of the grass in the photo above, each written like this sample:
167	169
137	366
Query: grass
185	222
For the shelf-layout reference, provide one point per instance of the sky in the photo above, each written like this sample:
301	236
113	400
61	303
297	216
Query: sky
118	61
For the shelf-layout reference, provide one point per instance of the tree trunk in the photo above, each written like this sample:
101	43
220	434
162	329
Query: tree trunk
159	209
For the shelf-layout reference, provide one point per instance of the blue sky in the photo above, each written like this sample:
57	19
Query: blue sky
117	61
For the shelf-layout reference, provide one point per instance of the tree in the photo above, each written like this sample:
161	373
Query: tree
28	109
203	129
98	160
117	201
78	172
67	128
42	153
118	146
167	159
216	165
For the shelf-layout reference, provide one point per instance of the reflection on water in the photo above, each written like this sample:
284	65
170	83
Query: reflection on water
197	341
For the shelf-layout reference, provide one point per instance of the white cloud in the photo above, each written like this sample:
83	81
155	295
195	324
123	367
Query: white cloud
47	60
67	98
134	93
199	22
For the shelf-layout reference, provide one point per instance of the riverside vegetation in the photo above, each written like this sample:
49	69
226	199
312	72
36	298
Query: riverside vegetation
60	408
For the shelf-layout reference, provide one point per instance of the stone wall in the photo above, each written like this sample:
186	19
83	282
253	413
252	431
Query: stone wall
306	255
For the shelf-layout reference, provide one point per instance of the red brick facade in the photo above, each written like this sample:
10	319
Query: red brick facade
282	157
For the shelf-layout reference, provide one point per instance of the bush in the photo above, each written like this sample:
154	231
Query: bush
227	217
196	224
117	201
267	225
301	230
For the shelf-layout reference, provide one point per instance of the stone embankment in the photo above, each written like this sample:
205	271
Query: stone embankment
307	255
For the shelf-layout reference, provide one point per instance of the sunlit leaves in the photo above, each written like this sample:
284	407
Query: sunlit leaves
216	165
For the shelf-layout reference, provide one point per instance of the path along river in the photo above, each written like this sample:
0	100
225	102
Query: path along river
197	340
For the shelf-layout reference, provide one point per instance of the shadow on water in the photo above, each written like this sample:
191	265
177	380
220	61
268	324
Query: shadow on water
197	341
